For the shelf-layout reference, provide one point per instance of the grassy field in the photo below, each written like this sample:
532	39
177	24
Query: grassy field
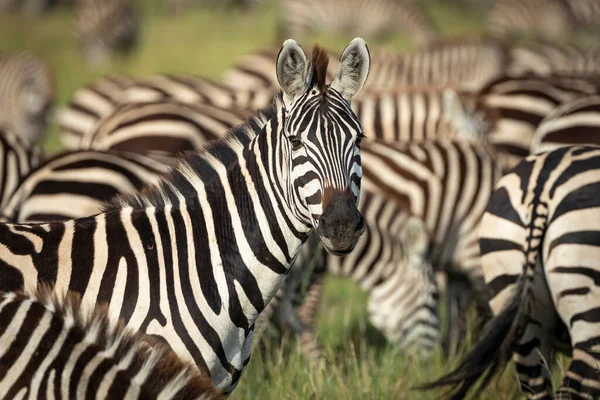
359	364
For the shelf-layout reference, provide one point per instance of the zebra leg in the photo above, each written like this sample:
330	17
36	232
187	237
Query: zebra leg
309	345
458	295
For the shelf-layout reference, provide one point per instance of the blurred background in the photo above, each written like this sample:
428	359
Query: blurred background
205	38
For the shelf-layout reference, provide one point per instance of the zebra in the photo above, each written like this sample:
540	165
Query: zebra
466	64
76	184
367	17
521	103
298	173
548	58
161	128
16	160
176	6
26	95
547	19
105	27
539	244
52	346
203	99
420	113
88	105
573	122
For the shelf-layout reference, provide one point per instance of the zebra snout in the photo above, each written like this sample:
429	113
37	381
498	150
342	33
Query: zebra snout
341	224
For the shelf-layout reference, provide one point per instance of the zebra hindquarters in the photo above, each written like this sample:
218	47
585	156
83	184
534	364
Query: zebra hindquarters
571	265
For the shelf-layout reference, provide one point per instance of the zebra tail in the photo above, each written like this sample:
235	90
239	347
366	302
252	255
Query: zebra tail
495	349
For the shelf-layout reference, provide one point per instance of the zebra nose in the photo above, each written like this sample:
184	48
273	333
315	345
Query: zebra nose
341	224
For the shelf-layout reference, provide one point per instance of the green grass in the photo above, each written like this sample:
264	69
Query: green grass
359	364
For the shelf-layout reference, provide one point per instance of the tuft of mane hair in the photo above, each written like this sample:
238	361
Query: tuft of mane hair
194	163
167	374
318	65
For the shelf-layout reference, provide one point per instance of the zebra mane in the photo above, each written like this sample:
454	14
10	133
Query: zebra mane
166	372
318	68
196	162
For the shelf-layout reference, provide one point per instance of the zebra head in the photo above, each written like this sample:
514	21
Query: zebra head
323	139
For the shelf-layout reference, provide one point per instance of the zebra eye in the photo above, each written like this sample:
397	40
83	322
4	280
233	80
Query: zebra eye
359	139
296	142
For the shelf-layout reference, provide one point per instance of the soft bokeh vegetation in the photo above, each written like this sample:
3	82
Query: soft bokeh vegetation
359	364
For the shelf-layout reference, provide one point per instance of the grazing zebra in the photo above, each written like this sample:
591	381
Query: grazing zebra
547	58
548	19
573	122
465	64
370	18
76	184
105	27
88	105
521	103
16	160
54	348
194	259
161	129
540	254
26	95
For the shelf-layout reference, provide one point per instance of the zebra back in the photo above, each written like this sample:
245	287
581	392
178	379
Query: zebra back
522	103
369	18
193	90
16	160
548	19
26	94
87	106
421	113
547	58
54	340
76	184
161	129
575	122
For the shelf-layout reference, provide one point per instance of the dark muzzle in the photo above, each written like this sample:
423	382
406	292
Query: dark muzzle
341	224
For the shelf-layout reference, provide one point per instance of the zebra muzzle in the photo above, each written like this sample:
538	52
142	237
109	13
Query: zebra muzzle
341	224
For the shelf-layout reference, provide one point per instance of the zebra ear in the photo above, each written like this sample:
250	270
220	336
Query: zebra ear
466	119
415	237
352	74
291	69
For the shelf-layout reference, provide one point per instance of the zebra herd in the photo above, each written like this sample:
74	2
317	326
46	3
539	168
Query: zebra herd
187	215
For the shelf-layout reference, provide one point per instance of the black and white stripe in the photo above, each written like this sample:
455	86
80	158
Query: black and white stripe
26	95
53	348
573	122
548	58
540	245
105	28
548	19
371	18
195	258
420	113
210	105
161	129
521	103
16	160
76	184
88	105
